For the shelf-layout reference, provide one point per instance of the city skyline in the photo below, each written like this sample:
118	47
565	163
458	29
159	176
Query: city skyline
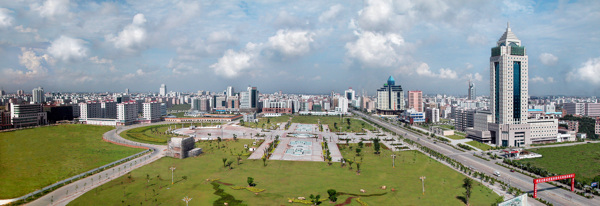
292	47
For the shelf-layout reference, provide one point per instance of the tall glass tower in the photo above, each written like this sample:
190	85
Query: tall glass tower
509	80
509	91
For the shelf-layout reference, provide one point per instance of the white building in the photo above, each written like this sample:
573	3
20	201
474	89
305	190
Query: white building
127	113
343	105
163	90
38	95
509	91
390	98
543	130
151	112
350	94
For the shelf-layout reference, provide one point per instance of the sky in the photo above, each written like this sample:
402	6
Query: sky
312	47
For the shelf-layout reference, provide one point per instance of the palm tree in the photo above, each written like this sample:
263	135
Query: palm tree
468	185
224	161
235	137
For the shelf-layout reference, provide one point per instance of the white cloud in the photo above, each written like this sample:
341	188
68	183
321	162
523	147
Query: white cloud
35	68
132	36
476	77
538	79
548	59
22	29
423	70
234	63
292	43
587	72
52	8
477	39
97	60
6	19
67	48
376	50
330	14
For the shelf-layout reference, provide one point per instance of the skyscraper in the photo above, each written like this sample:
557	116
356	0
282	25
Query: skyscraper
249	99
350	94
509	91
472	94
38	95
415	100
230	91
390	98
163	90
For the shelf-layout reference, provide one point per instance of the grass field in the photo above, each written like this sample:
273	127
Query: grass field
479	145
583	160
268	122
286	179
156	134
34	158
455	136
355	125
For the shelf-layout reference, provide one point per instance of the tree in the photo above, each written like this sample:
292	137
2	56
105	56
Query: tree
348	121
239	157
235	137
218	142
315	199
358	151
360	144
358	168
224	161
468	185
332	195
242	122
250	181
229	163
376	145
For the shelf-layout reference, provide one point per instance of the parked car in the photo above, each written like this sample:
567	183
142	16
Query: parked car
512	170
497	173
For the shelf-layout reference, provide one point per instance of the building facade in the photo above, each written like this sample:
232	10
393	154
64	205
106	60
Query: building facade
90	110
509	91
415	100
471	94
127	113
38	95
163	90
27	115
390	98
151	112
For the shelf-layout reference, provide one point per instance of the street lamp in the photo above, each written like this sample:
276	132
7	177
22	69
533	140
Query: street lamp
423	183
394	161
186	200
172	170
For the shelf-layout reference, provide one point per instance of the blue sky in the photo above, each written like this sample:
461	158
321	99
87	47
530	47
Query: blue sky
295	46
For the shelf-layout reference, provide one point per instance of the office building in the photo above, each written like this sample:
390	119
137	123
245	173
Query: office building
163	90
509	91
576	109
471	95
20	92
432	115
480	130
108	109
249	99
230	91
415	100
350	94
463	118
27	115
390	98
38	95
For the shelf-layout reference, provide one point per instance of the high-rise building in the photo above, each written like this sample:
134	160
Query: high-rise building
151	111
20	92
90	110
415	100
249	99
2	92
163	90
127	91
127	113
230	91
472	94
509	91
350	94
38	95
390	98
109	109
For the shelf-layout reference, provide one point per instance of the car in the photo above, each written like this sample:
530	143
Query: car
497	173
512	170
589	142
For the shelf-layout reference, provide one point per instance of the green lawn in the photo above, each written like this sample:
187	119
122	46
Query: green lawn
34	158
447	126
335	123
583	160
287	179
455	136
268	122
479	145
156	134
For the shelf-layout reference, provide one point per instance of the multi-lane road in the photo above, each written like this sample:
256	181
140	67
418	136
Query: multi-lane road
550	193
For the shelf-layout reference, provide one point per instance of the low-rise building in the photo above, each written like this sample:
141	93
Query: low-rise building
179	147
27	115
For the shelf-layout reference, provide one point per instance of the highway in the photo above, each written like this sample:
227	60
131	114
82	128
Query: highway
550	193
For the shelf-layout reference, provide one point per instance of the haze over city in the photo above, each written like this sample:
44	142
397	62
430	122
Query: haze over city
296	47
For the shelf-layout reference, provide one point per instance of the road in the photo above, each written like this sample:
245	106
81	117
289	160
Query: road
550	193
70	192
